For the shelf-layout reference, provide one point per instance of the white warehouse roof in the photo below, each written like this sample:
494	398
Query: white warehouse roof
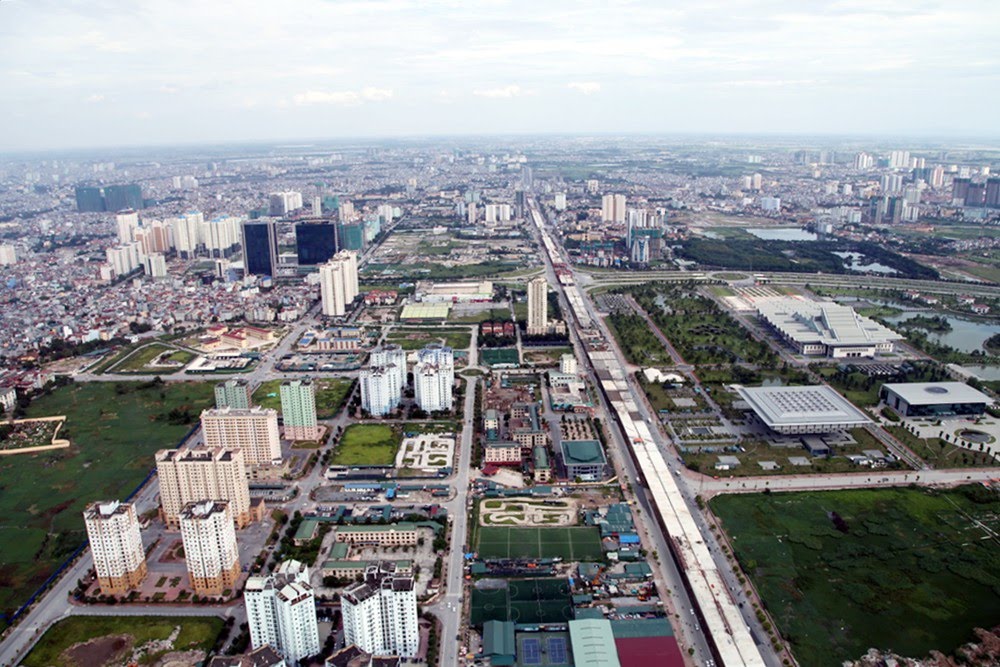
823	322
933	393
814	408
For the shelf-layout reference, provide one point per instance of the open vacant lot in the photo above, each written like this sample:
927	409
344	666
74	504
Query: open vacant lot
121	635
330	395
115	428
367	444
844	571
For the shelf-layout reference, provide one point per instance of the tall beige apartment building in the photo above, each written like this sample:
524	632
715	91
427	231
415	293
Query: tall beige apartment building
202	473
116	544
255	431
213	559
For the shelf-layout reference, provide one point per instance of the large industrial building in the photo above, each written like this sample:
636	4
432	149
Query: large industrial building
810	409
934	399
454	292
824	328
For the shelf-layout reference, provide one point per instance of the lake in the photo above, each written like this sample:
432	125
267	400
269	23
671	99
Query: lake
783	234
965	335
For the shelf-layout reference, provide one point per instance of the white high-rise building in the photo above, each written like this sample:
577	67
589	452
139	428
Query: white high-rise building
391	355
613	208
568	364
864	161
281	612
116	544
127	222
346	211
220	236
255	431
434	378
210	550
498	213
380	390
538	306
559	201
156	265
125	259
283	203
317	207
8	255
338	280
593	186
186	233
380	613
470	213
899	160
200	473
757	181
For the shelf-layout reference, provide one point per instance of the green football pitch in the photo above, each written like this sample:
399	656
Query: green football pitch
580	543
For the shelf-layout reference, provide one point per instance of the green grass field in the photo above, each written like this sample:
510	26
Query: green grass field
367	444
114	436
416	339
844	571
138	361
196	633
572	544
330	395
498	355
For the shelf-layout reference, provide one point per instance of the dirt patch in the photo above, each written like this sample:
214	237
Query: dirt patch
181	659
98	651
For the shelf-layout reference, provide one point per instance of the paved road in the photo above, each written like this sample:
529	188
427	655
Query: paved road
448	607
668	579
708	486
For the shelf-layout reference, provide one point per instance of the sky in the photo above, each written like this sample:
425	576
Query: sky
104	73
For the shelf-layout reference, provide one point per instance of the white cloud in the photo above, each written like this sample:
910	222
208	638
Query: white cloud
585	87
376	94
344	98
95	98
511	90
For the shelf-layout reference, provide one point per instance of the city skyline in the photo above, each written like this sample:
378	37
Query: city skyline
116	74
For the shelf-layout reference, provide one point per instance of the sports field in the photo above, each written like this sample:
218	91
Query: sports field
843	571
522	601
367	444
580	543
114	429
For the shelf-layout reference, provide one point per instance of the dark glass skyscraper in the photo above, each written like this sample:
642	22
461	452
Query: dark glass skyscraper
89	200
260	247
122	197
315	242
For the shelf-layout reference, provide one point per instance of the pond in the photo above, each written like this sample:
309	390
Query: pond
854	262
783	234
965	335
988	373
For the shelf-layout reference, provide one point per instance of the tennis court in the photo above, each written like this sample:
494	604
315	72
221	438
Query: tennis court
522	601
543	649
578	543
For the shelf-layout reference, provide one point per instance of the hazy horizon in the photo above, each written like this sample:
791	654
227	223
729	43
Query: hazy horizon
113	74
